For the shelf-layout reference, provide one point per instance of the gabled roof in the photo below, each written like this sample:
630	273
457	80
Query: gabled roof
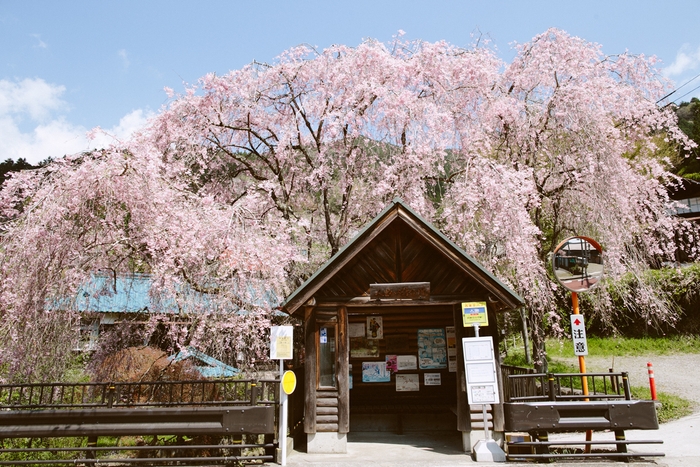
400	217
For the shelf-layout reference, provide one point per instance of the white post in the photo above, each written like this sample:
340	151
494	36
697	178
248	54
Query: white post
283	419
487	435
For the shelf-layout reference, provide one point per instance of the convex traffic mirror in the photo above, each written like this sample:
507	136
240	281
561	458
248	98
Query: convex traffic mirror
578	263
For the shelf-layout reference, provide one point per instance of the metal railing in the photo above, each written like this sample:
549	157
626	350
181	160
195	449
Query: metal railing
144	394
567	387
516	387
197	422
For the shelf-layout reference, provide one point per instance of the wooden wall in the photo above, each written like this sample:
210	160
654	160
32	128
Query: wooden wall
401	325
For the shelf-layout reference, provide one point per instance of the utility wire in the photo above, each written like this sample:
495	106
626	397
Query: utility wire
695	88
679	88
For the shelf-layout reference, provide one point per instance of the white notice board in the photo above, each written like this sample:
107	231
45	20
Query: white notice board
281	342
480	370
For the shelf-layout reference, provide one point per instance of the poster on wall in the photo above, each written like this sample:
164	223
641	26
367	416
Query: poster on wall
406	362
432	379
361	347
407	383
375	328
375	372
356	330
432	349
391	364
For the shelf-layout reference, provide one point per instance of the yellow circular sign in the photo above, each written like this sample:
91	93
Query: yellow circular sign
289	382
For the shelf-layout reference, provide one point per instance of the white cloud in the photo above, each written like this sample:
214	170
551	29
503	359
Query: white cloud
30	97
686	60
54	138
40	44
50	134
127	126
125	58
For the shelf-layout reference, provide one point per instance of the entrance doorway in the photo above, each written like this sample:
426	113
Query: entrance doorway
403	369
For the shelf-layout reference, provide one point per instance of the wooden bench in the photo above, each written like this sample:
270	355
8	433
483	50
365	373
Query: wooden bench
541	418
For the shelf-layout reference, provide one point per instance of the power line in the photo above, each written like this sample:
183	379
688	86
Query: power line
679	88
692	90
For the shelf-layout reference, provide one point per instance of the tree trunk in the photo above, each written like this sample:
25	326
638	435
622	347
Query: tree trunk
539	350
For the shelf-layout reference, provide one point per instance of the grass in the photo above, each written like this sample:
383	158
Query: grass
627	346
608	347
672	406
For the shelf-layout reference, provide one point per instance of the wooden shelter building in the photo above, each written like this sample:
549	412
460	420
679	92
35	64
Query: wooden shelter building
383	330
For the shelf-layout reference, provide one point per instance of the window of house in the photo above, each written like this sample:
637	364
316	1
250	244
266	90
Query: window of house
326	356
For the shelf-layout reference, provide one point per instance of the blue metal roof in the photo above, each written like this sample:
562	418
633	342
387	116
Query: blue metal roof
212	367
131	293
123	294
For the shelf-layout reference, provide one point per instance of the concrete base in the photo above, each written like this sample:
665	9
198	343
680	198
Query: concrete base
488	451
327	443
471	438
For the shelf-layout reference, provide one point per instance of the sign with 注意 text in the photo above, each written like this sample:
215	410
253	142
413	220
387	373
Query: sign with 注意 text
578	334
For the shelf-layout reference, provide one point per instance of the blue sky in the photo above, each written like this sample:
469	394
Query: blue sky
67	67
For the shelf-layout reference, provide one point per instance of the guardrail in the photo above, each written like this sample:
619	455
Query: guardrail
210	422
144	394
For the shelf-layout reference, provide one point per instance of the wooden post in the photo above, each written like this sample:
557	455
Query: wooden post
343	359
463	413
310	371
499	422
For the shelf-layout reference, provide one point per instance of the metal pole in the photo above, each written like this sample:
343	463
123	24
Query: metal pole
582	369
283	419
487	434
581	358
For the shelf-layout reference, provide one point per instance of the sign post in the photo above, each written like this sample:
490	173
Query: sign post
281	348
481	378
577	264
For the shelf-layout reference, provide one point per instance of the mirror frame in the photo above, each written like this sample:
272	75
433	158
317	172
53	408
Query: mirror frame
581	262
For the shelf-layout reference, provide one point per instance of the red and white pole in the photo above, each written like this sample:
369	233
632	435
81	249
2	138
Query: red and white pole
652	381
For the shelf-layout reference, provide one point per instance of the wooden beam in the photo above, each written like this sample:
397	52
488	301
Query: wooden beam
310	370
463	414
343	372
498	414
400	291
366	301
